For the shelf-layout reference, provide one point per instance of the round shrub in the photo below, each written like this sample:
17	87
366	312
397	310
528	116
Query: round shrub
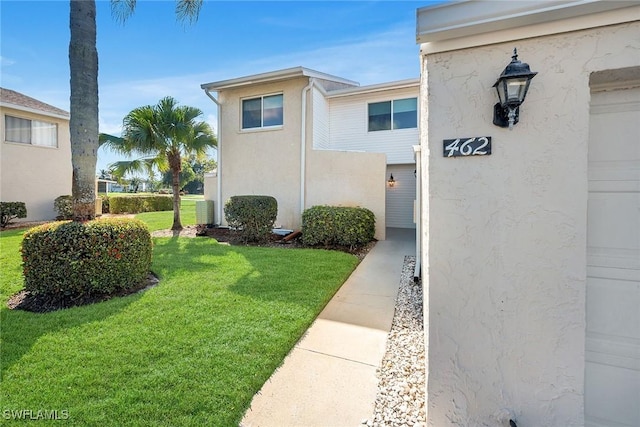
254	216
68	263
64	206
338	225
11	210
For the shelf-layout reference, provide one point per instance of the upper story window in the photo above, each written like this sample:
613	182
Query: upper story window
262	112
396	114
32	132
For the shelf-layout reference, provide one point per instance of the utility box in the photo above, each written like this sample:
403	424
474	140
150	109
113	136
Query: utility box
204	212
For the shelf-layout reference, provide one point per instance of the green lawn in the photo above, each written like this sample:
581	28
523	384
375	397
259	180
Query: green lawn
163	220
191	351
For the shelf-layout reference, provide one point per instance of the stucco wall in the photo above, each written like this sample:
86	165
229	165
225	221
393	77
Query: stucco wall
33	174
506	233
343	178
263	161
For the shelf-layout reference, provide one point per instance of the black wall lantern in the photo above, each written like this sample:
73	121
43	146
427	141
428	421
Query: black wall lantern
391	181
512	87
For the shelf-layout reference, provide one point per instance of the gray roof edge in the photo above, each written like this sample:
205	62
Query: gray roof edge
473	17
398	84
19	101
272	76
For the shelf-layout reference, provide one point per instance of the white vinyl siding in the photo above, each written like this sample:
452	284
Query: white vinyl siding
32	132
400	197
320	121
349	127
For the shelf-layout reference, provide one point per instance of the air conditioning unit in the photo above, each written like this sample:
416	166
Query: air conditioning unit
204	212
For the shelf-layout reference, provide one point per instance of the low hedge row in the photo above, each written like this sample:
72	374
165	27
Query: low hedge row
337	225
137	204
11	210
253	216
65	262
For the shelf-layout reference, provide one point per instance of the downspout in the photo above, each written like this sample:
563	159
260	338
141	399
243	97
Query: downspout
219	152
303	145
417	153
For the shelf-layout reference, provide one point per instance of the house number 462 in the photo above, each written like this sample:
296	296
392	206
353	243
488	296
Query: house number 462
476	146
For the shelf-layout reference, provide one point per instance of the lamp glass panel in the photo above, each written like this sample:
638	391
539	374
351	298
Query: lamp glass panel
500	88
516	89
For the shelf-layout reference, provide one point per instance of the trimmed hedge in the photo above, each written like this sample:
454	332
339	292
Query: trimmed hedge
64	206
337	225
137	204
70	262
254	216
105	203
11	210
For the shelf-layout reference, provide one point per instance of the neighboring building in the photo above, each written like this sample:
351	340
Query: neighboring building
531	255
35	154
309	138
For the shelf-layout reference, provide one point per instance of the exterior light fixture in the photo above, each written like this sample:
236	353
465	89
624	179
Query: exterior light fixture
512	87
391	181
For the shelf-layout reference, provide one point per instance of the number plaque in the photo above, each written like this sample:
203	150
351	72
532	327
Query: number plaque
460	147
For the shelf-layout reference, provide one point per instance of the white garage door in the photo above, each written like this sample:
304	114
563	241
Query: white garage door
400	197
612	377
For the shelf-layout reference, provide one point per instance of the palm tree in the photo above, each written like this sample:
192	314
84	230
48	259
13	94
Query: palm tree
83	63
161	135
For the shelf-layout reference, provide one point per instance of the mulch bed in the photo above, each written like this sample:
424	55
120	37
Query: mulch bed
23	300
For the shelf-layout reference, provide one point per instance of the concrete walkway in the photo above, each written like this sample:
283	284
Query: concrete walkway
329	378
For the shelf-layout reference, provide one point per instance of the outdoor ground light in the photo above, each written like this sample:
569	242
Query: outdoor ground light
512	87
391	181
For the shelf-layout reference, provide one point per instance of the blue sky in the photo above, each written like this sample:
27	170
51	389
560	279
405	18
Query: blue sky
152	55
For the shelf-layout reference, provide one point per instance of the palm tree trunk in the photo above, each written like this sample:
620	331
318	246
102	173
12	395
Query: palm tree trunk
175	165
83	123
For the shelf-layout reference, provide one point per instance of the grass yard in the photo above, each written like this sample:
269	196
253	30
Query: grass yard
190	352
164	219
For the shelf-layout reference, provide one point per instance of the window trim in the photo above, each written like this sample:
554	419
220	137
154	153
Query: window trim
261	127
392	101
31	120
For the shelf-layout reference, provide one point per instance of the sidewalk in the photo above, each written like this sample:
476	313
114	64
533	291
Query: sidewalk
329	378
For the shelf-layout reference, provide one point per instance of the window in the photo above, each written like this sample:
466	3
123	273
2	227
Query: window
262	112
396	114
32	132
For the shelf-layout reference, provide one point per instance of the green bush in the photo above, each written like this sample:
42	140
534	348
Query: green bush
337	225
137	204
11	210
64	207
105	203
254	216
68	263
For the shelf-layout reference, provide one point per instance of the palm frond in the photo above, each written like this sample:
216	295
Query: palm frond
109	140
188	10
121	10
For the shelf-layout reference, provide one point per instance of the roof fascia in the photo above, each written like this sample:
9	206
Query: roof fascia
273	76
33	110
400	84
469	18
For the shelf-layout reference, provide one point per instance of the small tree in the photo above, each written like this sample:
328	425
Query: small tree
162	135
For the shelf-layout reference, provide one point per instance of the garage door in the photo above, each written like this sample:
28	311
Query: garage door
400	197
612	376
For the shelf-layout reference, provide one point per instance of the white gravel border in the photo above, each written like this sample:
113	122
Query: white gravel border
401	387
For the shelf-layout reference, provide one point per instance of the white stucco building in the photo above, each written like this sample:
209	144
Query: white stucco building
35	154
531	255
308	138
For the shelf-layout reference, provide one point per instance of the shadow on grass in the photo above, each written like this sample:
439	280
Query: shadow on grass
296	276
20	330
